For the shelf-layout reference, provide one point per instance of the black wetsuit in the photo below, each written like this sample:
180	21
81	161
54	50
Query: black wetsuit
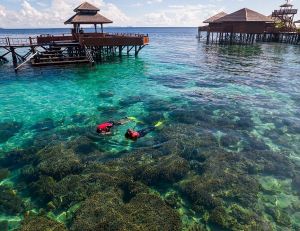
145	131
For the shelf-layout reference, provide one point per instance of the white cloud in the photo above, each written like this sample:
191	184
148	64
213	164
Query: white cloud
181	15
2	12
60	10
55	15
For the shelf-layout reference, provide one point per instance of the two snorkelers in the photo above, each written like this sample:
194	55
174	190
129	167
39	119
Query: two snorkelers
105	128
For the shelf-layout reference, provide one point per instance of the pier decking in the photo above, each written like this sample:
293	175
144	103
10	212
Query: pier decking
77	47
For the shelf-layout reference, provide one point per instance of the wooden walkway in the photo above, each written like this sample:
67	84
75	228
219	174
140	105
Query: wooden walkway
91	46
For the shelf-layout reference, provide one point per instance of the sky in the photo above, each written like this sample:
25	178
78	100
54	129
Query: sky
168	13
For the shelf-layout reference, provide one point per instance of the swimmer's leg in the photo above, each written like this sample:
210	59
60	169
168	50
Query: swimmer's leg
145	131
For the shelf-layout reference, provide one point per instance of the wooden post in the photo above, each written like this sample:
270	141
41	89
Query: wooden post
14	57
208	37
95	28
101	28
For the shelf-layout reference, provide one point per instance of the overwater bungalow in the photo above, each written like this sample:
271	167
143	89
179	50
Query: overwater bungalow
78	46
247	26
237	27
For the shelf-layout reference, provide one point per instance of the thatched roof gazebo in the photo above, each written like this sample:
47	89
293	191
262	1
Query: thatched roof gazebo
244	15
215	17
242	21
86	13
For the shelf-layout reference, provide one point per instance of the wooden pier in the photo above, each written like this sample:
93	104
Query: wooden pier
77	47
246	26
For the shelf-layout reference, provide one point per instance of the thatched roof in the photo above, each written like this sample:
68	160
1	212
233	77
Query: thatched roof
286	5
215	17
87	14
297	21
245	15
86	7
88	19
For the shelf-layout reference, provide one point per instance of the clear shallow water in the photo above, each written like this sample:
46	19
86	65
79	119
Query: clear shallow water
216	102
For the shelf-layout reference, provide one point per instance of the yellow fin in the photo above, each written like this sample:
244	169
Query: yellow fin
158	124
135	119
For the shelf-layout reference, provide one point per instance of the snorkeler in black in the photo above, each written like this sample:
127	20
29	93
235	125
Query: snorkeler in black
135	135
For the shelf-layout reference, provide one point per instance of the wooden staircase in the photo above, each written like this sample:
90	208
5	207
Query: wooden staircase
56	56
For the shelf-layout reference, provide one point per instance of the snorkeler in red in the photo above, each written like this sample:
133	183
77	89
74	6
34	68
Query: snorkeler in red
105	128
134	135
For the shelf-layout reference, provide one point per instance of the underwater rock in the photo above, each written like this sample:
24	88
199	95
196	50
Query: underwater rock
44	188
4	173
105	94
82	145
158	105
196	227
76	188
272	163
237	218
129	101
85	148
188	117
167	169
41	223
18	157
58	161
296	182
152	118
200	192
229	140
4	225
280	217
220	217
106	211
29	173
252	144
10	202
172	199
8	130
44	125
109	111
79	118
197	166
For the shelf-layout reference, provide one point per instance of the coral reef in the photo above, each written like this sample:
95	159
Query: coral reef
58	161
8	130
41	223
107	211
10	202
167	169
44	125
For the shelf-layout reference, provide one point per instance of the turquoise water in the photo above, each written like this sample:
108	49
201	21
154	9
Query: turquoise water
226	158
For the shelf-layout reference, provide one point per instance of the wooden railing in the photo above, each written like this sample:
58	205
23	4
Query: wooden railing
98	38
18	41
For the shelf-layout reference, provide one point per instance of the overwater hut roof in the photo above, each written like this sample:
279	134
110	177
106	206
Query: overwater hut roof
86	7
86	13
245	15
88	19
297	21
286	5
215	17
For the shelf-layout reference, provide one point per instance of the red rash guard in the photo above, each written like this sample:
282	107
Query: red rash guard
134	135
105	127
